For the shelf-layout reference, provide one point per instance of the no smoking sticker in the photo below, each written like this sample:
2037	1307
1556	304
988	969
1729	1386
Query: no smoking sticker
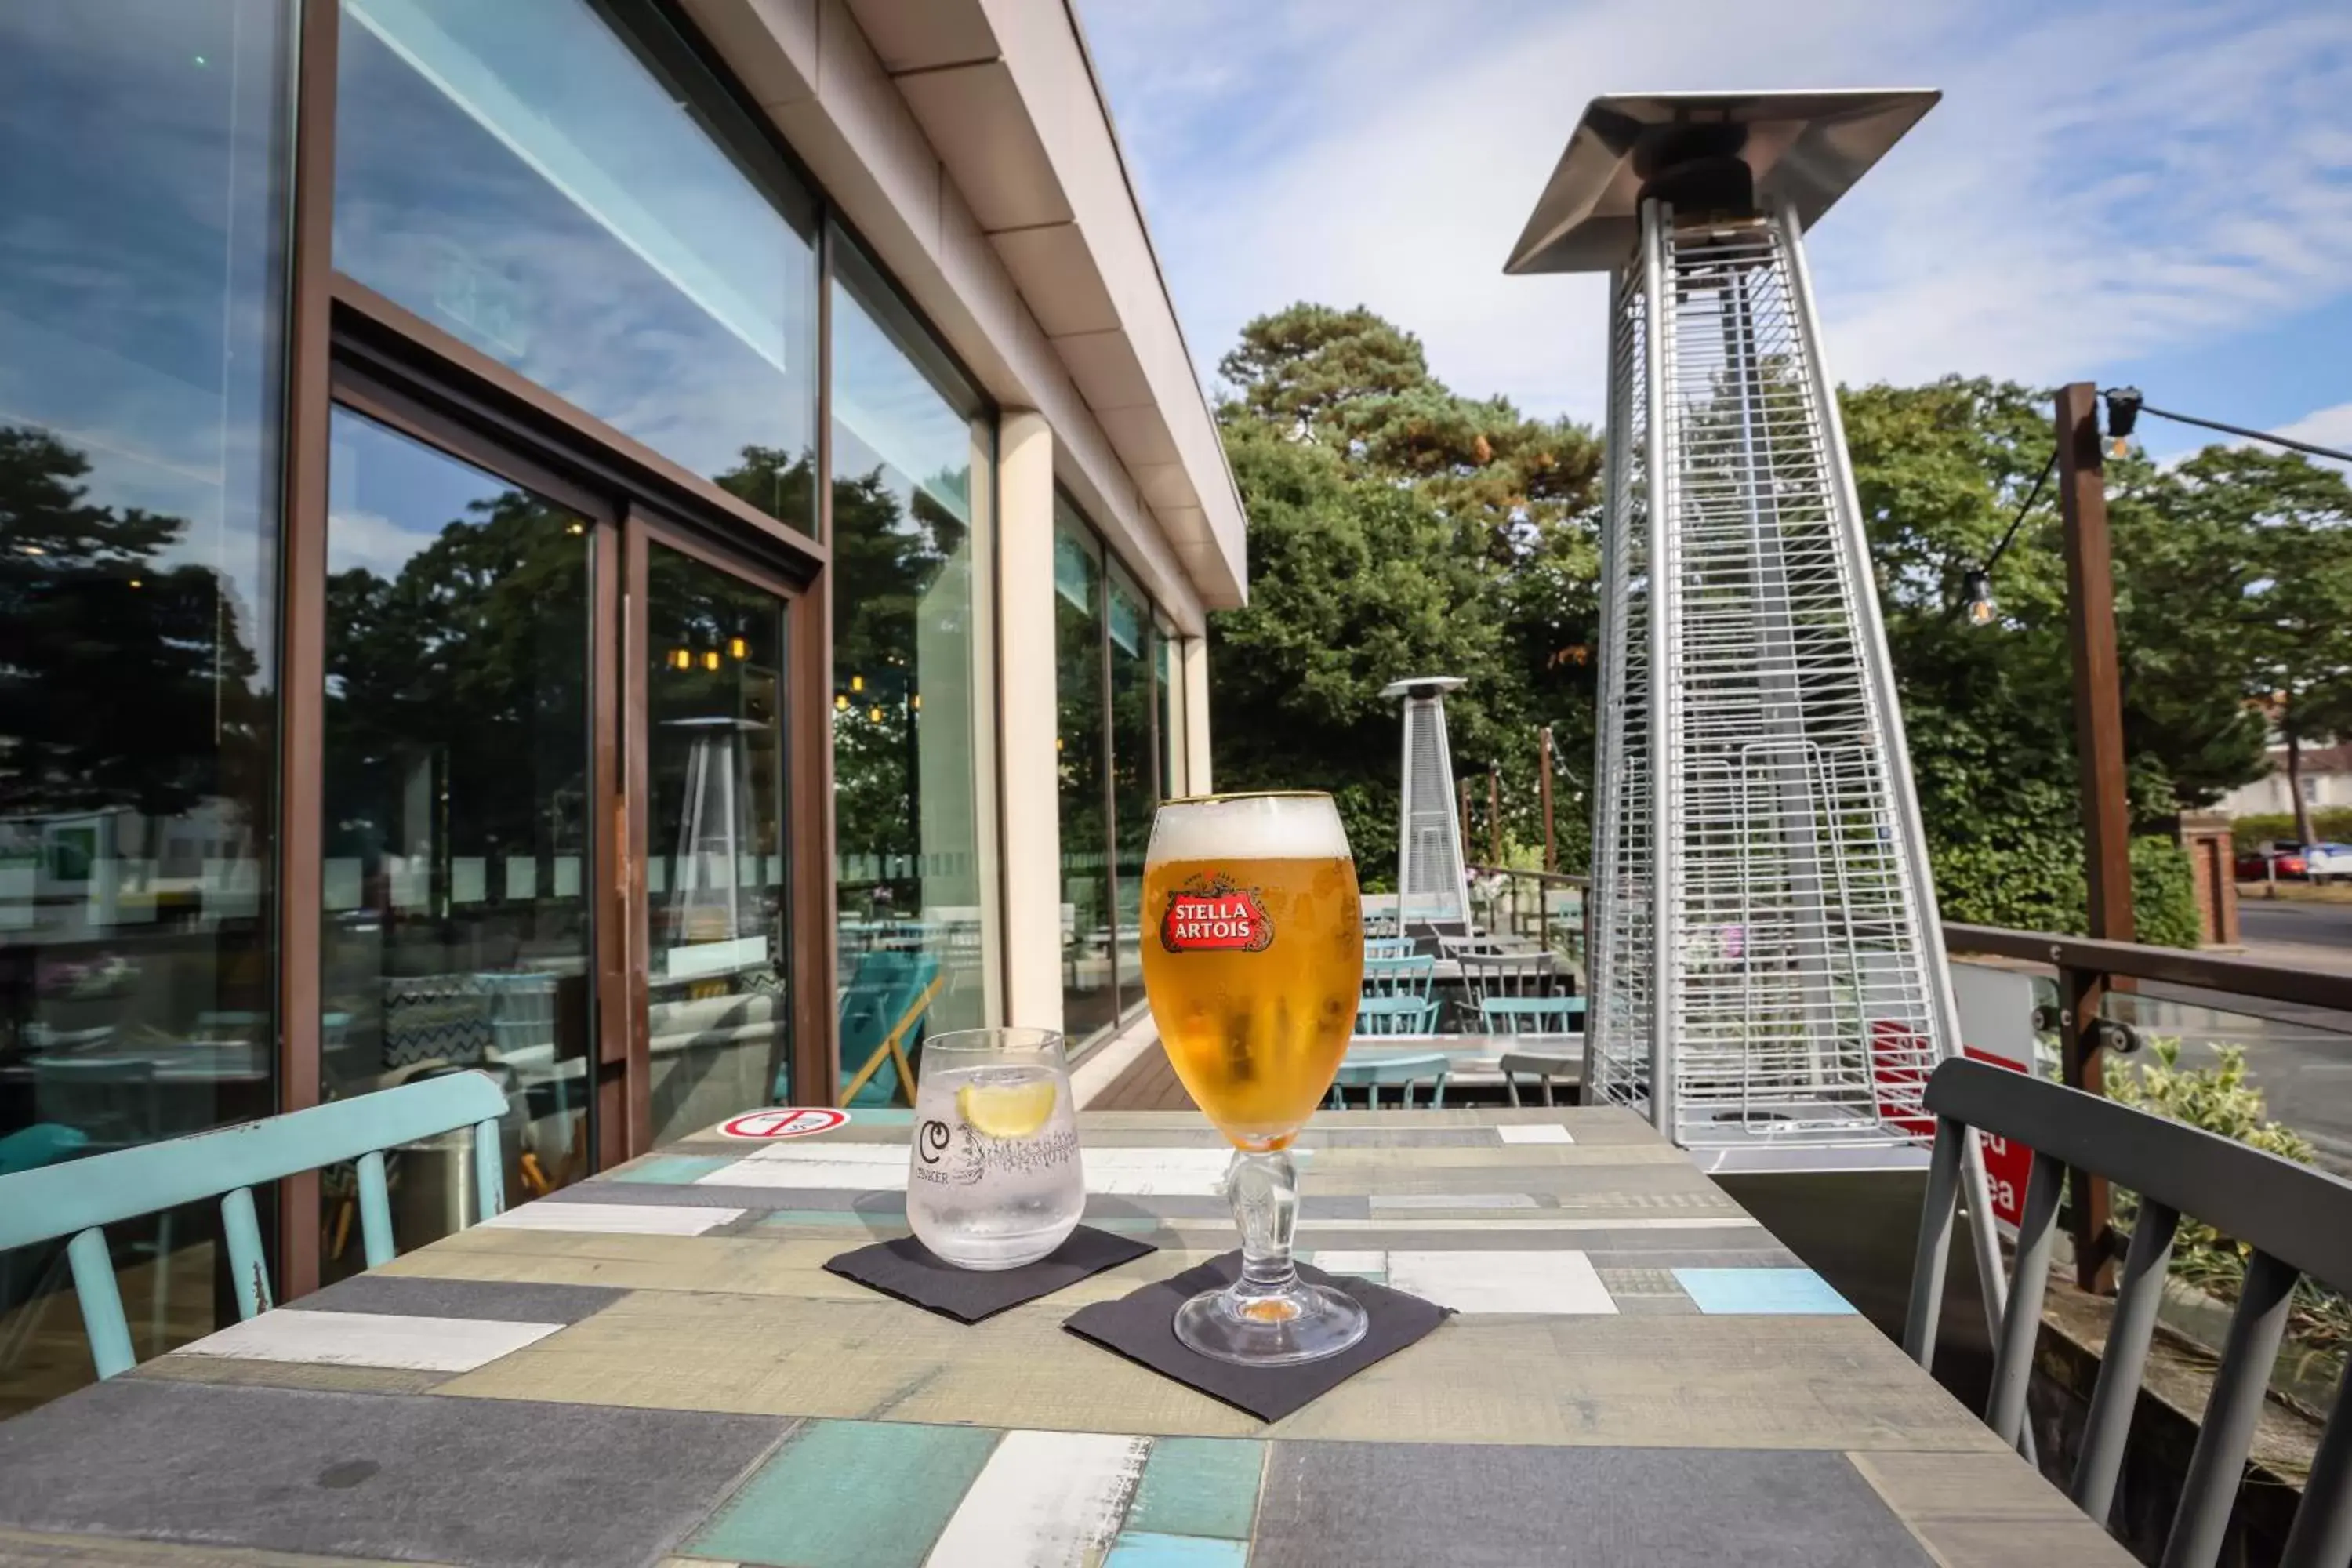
783	1122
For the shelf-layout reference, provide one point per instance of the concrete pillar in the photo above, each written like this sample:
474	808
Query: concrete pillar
1196	717
1027	722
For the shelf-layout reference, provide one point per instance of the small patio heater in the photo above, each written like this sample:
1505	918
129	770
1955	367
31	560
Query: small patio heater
1433	887
1768	979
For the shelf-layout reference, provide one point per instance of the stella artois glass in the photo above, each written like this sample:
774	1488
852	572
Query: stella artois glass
1254	958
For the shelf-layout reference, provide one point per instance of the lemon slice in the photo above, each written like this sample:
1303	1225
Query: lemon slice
1006	1109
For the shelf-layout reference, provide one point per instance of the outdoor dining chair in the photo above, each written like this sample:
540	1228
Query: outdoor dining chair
1549	1068
1389	947
1395	1015
1486	975
80	1197
1402	1073
2296	1221
1408	976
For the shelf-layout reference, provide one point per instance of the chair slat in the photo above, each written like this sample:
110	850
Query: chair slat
2021	1322
1932	1259
248	1274
375	1209
101	1303
490	1171
2116	1393
2227	1432
2321	1536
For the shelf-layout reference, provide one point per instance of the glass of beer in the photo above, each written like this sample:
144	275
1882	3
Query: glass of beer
1253	960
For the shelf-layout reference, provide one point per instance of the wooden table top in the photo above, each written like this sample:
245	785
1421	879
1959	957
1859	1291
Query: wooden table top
653	1367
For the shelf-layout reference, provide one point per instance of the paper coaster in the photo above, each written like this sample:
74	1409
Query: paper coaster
1140	1326
914	1274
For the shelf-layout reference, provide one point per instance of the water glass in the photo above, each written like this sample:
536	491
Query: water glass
993	1178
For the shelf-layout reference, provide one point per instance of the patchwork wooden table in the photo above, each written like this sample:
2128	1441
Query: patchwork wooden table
653	1367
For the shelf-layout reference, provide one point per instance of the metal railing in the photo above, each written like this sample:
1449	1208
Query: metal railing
1534	905
2087	971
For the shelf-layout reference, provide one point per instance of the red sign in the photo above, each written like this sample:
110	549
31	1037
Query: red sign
2007	1164
784	1121
1218	918
1899	1065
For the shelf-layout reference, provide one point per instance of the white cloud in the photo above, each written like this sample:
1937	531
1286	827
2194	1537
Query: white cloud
2325	427
2097	183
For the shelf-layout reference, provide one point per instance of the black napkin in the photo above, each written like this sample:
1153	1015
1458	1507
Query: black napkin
915	1274
1142	1327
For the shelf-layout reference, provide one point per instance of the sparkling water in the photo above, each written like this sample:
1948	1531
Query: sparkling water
992	1202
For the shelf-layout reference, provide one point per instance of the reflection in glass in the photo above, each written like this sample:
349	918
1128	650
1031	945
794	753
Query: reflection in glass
1167	675
1134	769
911	485
589	208
141	301
1090	999
717	1009
454	924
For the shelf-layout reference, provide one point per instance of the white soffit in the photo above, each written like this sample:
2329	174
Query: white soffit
1006	96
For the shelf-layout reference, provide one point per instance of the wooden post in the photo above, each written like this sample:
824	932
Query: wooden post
1543	788
2107	806
1494	811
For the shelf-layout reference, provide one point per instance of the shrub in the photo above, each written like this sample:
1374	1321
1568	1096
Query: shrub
2334	821
2031	879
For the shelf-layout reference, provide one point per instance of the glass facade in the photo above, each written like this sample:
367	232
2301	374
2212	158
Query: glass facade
913	485
1089	985
142	304
586	206
1113	689
1168	678
718	1020
454	909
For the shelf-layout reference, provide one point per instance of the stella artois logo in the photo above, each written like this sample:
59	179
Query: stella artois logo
1210	915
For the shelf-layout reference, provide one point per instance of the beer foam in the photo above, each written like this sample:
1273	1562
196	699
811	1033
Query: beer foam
1250	828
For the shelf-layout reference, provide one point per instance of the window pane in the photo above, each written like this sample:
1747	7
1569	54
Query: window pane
1089	998
589	209
1134	783
718	1012
911	484
455	923
141	303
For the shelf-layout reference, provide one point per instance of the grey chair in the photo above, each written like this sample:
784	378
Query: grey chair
1509	976
2297	1220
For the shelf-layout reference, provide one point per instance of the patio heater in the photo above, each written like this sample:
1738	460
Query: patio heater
1433	887
1768	980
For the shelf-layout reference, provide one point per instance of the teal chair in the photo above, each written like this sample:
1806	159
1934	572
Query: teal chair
1532	1015
80	1197
1389	947
882	1010
1407	976
1401	1072
1395	1015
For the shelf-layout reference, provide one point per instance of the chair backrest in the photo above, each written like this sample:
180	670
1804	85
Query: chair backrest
1402	1073
1389	947
112	1100
1408	976
1532	1015
1395	1015
80	1197
1494	975
2297	1220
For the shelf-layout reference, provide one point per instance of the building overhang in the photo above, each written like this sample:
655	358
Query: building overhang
990	182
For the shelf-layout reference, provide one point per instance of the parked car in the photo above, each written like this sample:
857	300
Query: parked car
2256	865
2326	862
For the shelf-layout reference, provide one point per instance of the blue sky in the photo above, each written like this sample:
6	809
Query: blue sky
2158	193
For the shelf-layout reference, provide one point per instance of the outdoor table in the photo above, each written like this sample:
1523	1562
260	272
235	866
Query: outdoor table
1475	1061
654	1367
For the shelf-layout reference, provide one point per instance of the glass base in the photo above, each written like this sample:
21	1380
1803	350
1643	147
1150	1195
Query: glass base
1260	1327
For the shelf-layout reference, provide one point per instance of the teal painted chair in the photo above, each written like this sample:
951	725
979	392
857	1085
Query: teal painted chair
1399	1072
80	1197
1406	976
1395	1015
1532	1015
882	1008
1388	947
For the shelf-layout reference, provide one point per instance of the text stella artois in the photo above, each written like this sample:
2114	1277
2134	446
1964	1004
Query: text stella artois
1214	916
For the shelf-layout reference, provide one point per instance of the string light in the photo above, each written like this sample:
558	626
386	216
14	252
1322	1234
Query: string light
711	658
736	648
840	701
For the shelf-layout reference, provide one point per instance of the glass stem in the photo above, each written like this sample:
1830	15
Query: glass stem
1263	1190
